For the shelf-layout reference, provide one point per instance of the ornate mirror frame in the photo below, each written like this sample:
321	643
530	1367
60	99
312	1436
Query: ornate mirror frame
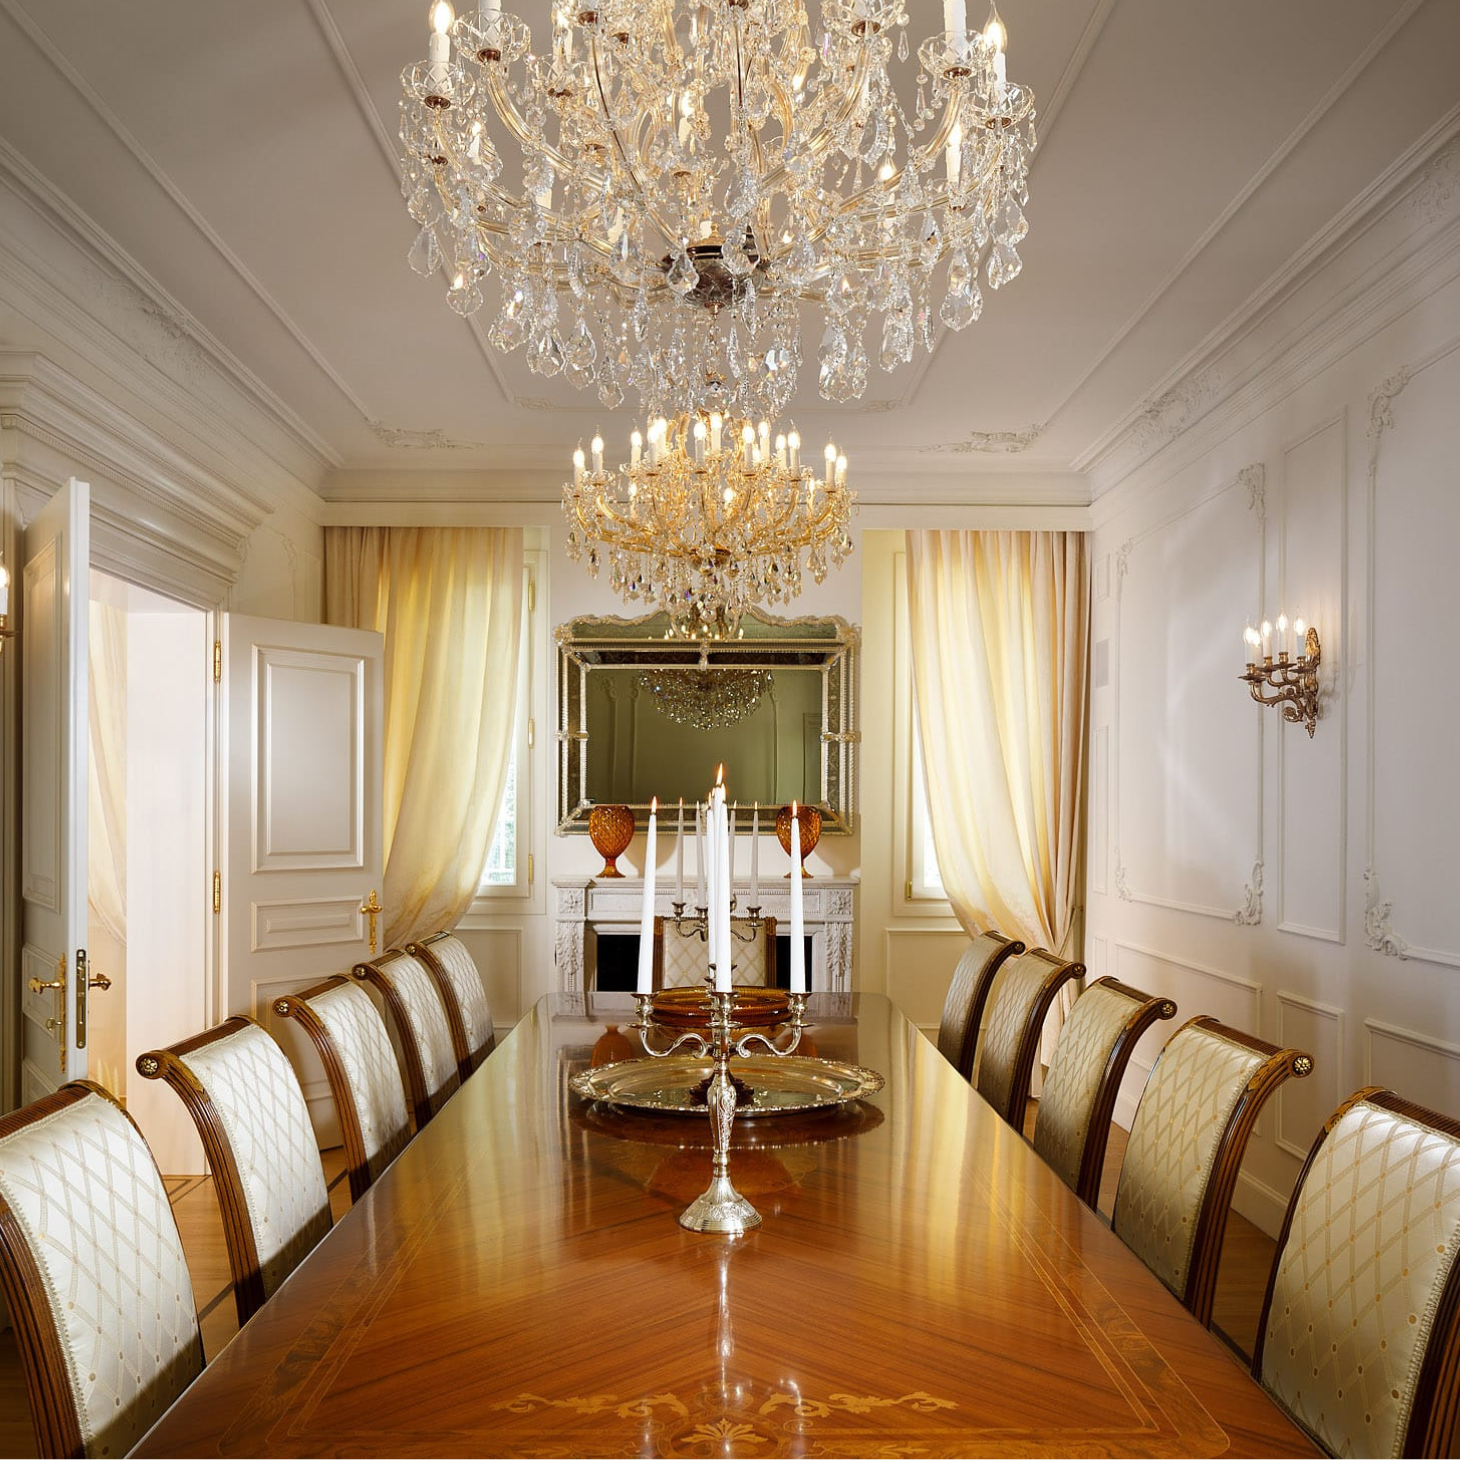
596	643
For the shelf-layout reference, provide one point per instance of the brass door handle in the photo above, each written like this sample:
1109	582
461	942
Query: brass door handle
39	986
98	981
372	909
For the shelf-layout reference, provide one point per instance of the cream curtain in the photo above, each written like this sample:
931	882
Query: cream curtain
999	626
449	602
106	778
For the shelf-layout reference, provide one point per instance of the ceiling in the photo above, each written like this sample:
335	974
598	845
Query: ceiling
243	155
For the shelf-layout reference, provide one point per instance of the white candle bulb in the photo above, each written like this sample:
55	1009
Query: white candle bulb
755	856
841	471
646	919
636	448
793	445
798	917
1300	637
679	857
438	52
1266	633
488	10
717	424
1282	628
955	15
994	33
578	467
597	444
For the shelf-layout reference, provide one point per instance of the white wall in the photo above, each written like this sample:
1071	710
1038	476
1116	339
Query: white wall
1304	890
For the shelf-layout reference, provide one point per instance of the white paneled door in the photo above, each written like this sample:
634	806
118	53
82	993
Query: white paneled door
54	976
302	760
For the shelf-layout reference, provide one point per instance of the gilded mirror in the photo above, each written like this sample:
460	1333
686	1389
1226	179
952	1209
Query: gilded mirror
641	714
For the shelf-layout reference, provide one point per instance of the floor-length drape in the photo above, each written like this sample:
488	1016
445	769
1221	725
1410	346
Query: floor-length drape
999	627
106	777
449	602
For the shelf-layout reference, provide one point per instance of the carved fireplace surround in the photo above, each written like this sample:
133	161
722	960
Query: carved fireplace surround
613	907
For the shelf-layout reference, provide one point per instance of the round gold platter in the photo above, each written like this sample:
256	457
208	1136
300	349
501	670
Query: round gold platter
778	1086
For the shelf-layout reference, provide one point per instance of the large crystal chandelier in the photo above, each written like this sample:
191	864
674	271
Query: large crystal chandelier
708	517
672	190
708	697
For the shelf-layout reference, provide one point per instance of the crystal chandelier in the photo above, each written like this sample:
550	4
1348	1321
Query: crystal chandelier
708	697
708	517
673	189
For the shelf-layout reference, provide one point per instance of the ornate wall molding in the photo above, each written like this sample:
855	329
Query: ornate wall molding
1250	914
1438	184
1379	933
1254	478
1162	418
402	439
992	443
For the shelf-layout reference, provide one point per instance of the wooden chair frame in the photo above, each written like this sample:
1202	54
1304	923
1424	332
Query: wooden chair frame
377	974
468	1060
1435	1408
238	1231
296	1007
978	1001
42	1355
1216	1205
768	932
1146	1010
1059	974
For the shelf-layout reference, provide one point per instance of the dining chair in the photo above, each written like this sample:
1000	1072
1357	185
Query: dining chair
364	1078
1196	1114
1359	1338
679	958
93	1272
1017	1008
465	995
418	1011
968	996
244	1098
1072	1128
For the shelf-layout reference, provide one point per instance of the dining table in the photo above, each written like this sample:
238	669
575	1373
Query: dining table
922	1283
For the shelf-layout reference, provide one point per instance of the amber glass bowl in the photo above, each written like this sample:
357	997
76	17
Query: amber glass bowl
610	829
808	821
755	1008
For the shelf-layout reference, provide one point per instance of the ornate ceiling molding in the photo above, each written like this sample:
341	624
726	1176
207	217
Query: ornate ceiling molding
992	443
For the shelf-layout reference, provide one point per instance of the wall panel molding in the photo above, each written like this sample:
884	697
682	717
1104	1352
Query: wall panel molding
1303	1105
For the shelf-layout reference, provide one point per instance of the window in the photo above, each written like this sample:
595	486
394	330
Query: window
924	879
507	872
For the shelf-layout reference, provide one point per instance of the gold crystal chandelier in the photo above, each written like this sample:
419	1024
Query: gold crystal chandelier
708	517
709	696
670	191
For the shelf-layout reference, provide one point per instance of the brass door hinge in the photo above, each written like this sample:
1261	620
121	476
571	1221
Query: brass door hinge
531	732
217	661
217	892
909	890
529	869
531	595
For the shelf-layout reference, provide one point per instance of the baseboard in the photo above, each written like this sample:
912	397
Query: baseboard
1260	1204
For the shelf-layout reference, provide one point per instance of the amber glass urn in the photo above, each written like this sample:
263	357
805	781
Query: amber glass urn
611	829
808	820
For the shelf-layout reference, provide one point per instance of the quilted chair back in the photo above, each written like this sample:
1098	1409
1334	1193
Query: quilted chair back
460	983
363	1075
1196	1114
419	1014
245	1100
1360	1333
680	958
968	995
1020	1001
1084	1078
92	1269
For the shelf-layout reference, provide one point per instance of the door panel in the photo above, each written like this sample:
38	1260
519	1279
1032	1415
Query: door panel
55	579
302	720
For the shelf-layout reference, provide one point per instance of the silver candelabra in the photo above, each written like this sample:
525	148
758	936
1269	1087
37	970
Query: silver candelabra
696	924
720	1208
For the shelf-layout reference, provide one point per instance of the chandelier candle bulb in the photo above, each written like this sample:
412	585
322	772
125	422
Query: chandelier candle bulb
717	425
798	916
598	455
793	445
578	467
1282	628
636	449
646	920
438	54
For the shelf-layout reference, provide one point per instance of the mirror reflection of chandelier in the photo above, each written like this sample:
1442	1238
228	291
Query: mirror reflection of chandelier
709	696
708	517
663	188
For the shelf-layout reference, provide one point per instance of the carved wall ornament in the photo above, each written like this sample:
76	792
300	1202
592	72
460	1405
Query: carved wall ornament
1167	415
1122	888
1379	933
1254	478
1250	914
399	438
1381	411
993	443
1439	182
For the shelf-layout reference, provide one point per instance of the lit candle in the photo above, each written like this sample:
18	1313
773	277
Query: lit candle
646	920
717	424
994	37
1300	637
798	920
955	15
755	856
679	857
438	55
597	444
830	462
699	443
781	450
765	438
841	471
793	445
636	450
1282	628
578	467
1266	638
747	440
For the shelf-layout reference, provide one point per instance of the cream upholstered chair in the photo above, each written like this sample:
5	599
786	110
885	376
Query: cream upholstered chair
364	1078
419	1013
464	994
1201	1100
1095	1046
92	1268
968	994
1360	1332
1021	999
245	1100
679	958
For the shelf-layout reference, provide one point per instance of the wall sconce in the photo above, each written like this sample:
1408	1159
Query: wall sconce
4	606
1294	682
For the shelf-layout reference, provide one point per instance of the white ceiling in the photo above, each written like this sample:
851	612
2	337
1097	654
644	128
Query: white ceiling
243	155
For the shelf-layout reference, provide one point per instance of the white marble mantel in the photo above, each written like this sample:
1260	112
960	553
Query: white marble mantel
615	905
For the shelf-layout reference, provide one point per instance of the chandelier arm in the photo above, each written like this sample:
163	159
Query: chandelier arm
537	142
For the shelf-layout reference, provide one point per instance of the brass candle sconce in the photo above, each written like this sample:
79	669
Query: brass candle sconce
1293	682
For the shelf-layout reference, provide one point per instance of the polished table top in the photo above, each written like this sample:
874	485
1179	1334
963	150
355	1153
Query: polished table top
517	1284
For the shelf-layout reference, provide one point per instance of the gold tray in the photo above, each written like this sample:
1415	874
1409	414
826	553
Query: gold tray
793	1085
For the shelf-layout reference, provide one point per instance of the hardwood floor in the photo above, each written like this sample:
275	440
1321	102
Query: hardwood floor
1246	1258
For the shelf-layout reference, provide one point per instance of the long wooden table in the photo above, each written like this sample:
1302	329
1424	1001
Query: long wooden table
517	1284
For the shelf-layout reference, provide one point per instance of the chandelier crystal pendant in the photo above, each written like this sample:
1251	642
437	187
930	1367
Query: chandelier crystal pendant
672	191
708	517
